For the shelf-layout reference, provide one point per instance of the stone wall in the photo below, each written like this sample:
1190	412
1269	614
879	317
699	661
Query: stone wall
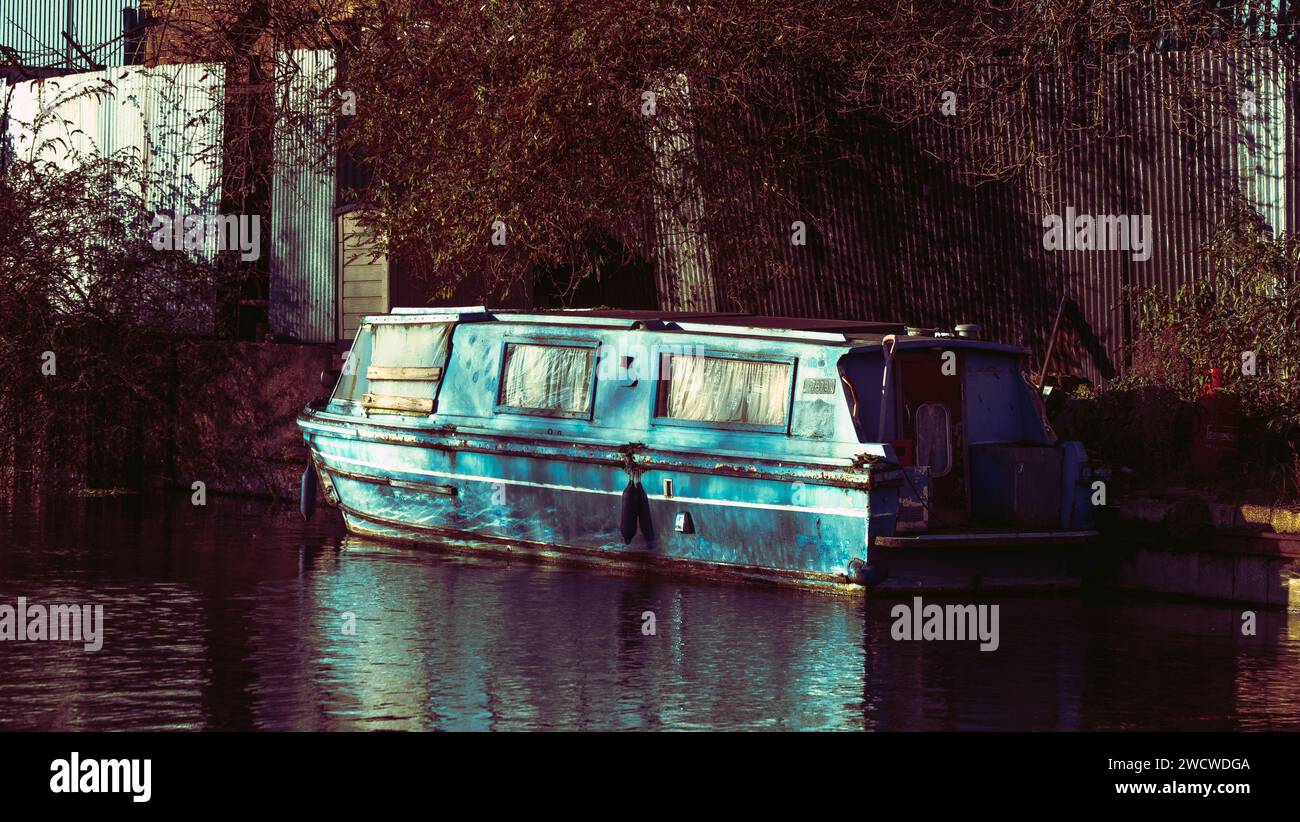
233	425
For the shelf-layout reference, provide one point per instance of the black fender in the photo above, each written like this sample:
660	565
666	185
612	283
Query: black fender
307	499
631	510
643	513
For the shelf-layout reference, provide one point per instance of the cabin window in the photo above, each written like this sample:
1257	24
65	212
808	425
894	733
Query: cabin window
554	380
726	391
934	438
395	368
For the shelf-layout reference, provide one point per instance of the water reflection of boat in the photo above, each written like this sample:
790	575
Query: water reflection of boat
781	450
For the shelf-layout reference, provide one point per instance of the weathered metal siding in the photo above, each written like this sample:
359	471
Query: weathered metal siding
303	275
167	119
34	29
185	117
684	270
900	236
170	118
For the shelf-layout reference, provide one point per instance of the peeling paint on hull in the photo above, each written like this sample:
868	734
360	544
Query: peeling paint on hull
635	562
929	572
427	494
567	511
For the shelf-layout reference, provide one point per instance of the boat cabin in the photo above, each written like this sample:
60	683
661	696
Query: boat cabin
958	407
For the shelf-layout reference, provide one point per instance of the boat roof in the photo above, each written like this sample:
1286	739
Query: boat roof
733	319
734	323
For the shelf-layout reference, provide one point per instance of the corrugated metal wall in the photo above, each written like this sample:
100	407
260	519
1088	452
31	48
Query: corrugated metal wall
168	118
171	118
684	272
34	28
302	296
900	236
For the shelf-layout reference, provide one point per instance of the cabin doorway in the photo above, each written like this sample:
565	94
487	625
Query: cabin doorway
930	388
362	274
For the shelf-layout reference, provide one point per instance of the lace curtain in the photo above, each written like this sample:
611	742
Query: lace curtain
715	389
547	378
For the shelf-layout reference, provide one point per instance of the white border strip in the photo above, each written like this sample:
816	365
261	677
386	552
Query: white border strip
802	509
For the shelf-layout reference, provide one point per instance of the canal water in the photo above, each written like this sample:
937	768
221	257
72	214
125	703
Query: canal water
237	615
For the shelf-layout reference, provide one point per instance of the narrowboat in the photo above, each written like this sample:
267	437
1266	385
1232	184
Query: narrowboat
829	454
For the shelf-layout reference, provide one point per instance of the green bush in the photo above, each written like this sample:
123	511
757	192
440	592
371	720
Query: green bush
86	304
1246	315
1145	428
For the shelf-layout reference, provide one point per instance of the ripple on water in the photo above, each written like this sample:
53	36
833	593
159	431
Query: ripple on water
241	616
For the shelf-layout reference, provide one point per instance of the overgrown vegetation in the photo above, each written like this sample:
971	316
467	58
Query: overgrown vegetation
85	302
591	130
1245	321
535	116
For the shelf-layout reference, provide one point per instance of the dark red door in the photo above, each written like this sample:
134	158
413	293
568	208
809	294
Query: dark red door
931	392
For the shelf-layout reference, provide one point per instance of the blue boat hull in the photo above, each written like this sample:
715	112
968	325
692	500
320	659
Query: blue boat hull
793	523
772	522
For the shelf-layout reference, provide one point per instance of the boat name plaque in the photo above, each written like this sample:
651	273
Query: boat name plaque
819	385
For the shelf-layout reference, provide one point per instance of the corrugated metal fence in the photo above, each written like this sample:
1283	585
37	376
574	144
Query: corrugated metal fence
168	120
302	296
171	118
900	236
34	29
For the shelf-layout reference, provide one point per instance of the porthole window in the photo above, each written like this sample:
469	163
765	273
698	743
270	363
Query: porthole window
934	438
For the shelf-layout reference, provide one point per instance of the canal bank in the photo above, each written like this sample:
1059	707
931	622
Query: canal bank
1191	547
210	415
233	426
